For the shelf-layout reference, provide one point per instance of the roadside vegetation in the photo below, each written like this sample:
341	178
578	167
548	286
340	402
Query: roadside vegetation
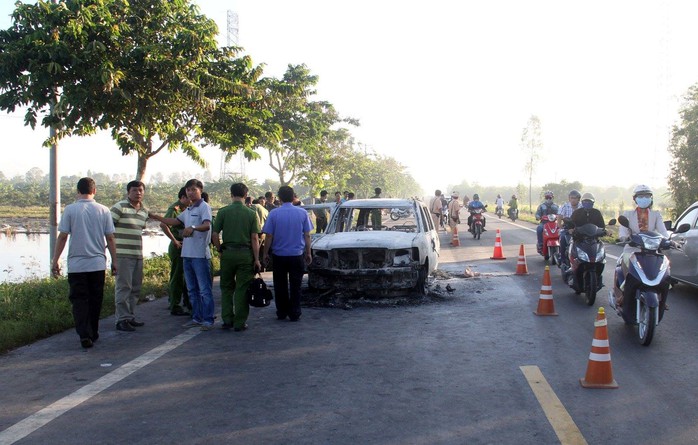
38	308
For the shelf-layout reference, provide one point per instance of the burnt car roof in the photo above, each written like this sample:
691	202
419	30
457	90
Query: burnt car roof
377	202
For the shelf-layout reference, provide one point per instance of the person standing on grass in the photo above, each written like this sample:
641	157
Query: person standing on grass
177	288
239	256
129	218
90	227
287	233
196	254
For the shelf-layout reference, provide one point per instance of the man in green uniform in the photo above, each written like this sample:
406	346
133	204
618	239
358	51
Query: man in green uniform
239	252
177	289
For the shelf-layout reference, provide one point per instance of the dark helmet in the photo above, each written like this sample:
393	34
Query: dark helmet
575	194
549	195
476	197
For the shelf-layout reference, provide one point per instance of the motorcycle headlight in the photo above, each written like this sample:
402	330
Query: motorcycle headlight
582	255
600	254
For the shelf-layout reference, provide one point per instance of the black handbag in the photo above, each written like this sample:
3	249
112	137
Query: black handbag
257	294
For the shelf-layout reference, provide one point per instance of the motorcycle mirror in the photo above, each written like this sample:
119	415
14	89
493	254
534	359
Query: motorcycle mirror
612	222
623	220
683	228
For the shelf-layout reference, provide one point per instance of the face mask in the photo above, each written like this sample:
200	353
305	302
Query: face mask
643	201
587	204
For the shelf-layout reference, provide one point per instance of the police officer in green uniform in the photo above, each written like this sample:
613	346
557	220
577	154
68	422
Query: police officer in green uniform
177	289
239	253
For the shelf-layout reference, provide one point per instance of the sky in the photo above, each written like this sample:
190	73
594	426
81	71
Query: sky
446	88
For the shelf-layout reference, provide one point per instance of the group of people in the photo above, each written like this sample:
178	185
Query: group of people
236	233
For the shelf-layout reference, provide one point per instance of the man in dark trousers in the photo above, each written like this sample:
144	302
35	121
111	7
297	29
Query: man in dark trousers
90	228
287	231
177	287
239	256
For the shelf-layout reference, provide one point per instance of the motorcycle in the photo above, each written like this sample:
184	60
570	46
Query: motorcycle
476	225
513	213
587	259
551	238
499	212
641	283
397	213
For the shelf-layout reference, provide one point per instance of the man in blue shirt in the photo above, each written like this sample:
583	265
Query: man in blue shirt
547	207
287	231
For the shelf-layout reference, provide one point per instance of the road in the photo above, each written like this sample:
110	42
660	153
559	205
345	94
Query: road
460	368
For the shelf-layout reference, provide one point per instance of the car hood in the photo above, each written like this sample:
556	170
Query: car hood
353	240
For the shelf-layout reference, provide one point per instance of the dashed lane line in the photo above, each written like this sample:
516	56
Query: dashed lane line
40	418
562	423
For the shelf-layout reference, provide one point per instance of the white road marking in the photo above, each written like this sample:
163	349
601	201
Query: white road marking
562	423
40	418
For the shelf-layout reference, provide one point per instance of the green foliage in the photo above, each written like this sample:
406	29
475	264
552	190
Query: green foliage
39	308
683	176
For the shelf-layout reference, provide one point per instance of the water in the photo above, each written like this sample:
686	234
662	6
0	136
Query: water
24	256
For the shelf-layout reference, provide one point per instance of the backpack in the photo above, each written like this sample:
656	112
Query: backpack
257	294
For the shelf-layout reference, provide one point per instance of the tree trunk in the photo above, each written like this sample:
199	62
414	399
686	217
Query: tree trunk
142	164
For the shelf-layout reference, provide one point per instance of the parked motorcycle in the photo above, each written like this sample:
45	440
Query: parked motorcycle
587	258
551	238
476	225
513	214
397	213
641	283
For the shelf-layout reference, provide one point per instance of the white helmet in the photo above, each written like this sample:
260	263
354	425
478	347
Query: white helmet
588	197
642	189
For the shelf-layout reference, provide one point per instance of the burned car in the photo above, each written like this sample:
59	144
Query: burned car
376	245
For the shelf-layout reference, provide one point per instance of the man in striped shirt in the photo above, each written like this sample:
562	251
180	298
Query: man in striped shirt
129	218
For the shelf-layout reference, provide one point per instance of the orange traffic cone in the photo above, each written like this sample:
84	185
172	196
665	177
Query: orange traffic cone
455	242
497	255
521	266
599	371
546	306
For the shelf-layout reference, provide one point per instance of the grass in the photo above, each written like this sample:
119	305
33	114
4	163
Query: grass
24	212
39	308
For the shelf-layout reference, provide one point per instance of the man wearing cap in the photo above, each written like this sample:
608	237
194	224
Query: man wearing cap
454	213
587	214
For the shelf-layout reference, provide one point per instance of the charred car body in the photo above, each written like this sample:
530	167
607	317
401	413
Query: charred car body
377	245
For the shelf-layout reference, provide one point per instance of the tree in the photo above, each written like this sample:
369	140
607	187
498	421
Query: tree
305	128
146	70
531	145
683	147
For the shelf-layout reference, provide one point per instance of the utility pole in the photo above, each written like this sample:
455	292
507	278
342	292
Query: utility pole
233	28
54	183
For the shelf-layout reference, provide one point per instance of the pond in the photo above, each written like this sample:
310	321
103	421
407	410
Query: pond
24	256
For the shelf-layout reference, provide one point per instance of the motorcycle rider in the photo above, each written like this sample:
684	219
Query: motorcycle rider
547	207
472	205
587	214
499	203
513	204
573	203
641	219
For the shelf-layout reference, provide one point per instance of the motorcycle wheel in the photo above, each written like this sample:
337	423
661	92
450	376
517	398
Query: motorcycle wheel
645	325
394	216
478	231
554	252
590	286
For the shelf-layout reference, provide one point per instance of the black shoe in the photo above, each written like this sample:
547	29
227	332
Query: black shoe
227	326
179	311
240	328
86	343
124	325
136	324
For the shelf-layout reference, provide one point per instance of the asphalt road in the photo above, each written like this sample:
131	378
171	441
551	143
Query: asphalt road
459	368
